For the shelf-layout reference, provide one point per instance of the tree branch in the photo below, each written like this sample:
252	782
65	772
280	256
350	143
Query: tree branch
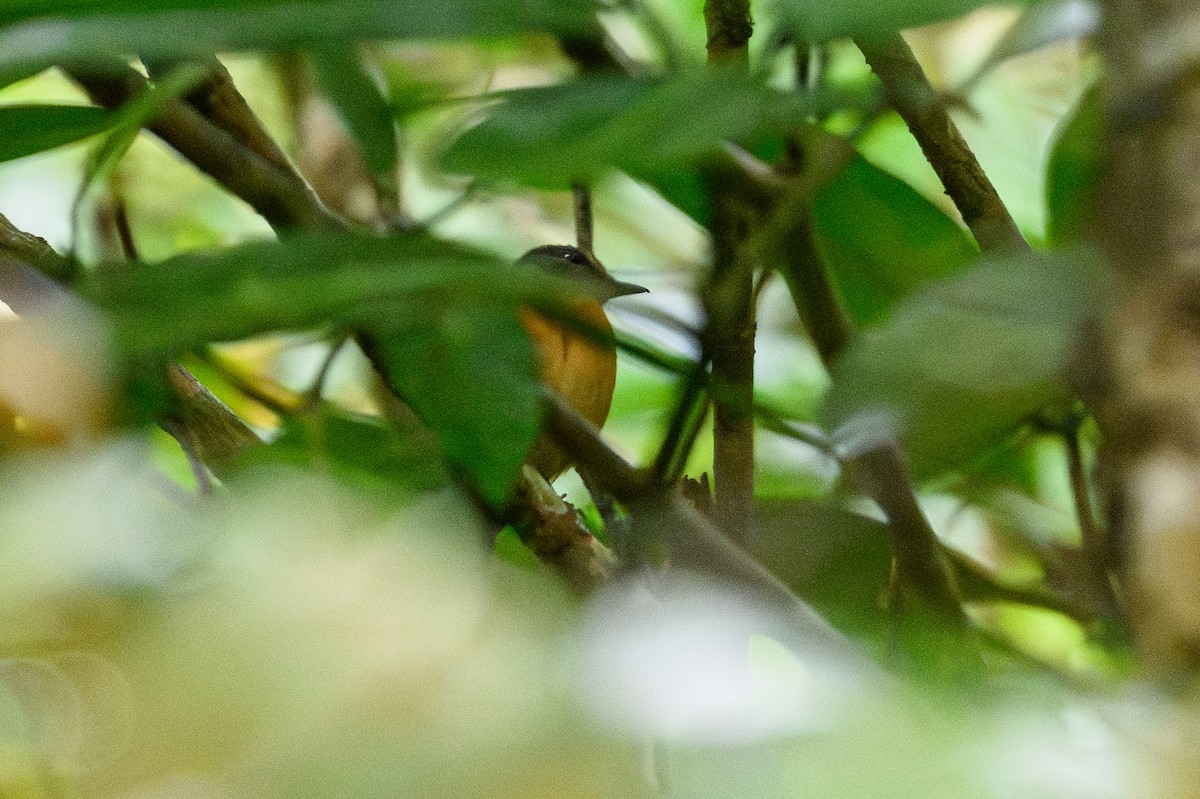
584	224
553	531
728	299
729	27
908	90
607	470
220	102
281	197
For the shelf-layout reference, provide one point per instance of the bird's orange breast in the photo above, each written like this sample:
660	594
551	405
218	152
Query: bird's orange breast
579	367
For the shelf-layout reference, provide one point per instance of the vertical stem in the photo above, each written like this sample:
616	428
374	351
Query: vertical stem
728	341
728	338
584	225
729	27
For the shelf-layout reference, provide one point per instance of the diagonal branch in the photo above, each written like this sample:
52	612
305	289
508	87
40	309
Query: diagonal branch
280	196
922	109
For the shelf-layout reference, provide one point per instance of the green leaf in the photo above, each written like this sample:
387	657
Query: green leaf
469	371
963	363
1074	172
881	239
358	449
48	31
361	105
29	129
319	279
819	22
835	560
128	121
441	319
550	136
302	281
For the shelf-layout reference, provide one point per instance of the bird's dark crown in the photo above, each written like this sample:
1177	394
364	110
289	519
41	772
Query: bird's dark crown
568	261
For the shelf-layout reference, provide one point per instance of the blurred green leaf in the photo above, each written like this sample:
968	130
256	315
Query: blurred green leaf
962	363
296	283
881	239
442	320
549	136
1074	172
819	22
360	450
361	105
29	129
469	371
130	118
48	31
836	560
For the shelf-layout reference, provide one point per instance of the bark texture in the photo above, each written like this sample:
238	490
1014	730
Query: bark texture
1148	386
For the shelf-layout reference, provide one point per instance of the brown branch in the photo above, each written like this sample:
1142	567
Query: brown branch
729	27
728	343
553	531
605	469
910	94
920	559
813	293
584	224
284	200
728	300
220	102
203	425
33	250
979	585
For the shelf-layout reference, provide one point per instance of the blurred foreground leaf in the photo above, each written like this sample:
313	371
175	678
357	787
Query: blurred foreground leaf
549	136
962	363
819	22
836	560
299	282
39	32
29	129
470	373
441	319
361	105
357	449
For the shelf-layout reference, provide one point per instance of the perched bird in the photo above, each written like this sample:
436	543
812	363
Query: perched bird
578	361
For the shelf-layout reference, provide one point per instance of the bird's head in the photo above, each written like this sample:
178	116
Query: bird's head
563	260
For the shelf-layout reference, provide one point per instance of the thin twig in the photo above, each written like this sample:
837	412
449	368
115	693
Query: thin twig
922	109
1093	548
584	225
124	231
683	427
312	397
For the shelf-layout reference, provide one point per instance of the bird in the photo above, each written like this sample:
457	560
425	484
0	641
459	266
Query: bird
577	361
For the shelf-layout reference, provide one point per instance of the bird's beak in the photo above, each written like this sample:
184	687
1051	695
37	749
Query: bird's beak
617	288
